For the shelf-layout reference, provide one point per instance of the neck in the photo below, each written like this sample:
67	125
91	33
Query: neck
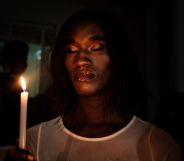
93	118
91	109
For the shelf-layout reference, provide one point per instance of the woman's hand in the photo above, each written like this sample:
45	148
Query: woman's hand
16	154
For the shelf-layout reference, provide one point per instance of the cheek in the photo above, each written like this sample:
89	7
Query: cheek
107	64
105	69
68	66
107	72
68	63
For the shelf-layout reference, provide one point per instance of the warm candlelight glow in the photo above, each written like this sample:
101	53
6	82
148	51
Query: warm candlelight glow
23	114
23	83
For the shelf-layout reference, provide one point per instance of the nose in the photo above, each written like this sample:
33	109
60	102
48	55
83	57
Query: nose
83	58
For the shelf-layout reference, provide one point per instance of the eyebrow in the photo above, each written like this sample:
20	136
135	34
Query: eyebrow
92	38
97	37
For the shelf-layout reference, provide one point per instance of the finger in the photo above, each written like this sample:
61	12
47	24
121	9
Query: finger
25	154
18	154
30	157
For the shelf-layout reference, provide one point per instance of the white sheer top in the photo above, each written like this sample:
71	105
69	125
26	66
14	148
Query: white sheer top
137	141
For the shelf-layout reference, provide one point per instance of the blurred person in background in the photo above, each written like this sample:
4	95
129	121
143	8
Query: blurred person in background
13	59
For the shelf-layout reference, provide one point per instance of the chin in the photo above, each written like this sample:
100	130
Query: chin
86	91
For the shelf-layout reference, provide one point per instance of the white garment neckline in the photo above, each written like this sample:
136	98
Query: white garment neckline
70	133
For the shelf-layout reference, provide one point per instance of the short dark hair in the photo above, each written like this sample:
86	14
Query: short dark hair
125	84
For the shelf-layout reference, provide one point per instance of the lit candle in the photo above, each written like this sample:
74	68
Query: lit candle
23	115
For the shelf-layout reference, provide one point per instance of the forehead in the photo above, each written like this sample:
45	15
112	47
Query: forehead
84	29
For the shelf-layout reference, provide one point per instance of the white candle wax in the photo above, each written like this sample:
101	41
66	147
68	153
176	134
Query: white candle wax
23	117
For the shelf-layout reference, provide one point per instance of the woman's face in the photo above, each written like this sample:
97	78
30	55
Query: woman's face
87	60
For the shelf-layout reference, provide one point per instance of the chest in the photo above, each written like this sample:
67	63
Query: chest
88	150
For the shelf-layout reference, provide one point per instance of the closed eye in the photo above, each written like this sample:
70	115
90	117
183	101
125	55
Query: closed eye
71	49
96	47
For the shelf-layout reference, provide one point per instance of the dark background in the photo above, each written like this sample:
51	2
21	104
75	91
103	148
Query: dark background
156	29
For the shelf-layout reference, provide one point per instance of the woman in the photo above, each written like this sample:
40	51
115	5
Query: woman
98	88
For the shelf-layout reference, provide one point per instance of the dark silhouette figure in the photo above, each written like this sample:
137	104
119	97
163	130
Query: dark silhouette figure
13	58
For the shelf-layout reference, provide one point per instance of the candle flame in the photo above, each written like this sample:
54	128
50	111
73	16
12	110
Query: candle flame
23	83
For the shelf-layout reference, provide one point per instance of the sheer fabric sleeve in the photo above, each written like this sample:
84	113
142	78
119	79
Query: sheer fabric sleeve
33	140
162	146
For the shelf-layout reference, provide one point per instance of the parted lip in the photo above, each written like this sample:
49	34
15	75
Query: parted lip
84	75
